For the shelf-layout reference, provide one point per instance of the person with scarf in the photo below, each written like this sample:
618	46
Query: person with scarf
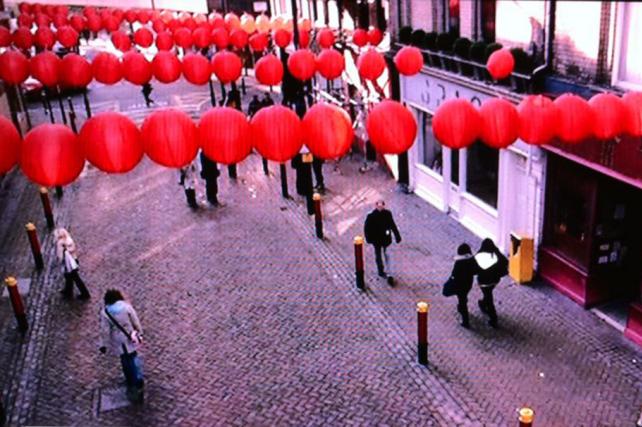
493	265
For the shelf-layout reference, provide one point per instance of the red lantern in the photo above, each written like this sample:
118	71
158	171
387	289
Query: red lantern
409	60
371	64
499	123
107	68
14	67
196	69
201	37
633	102
121	41
164	40
9	145
44	38
392	129
183	38
111	142
360	37
136	68
327	131
302	64
169	138
88	11
325	38
276	133
60	20
62	9
42	20
227	66
610	116
238	38
282	38
456	123
25	20
5	36
224	135
166	67
78	23
259	42
110	23
67	36
500	64
24	7
330	64
75	71
22	38
220	38
144	16
538	119
575	118
45	68
158	25
304	38
143	37
131	15
216	20
94	23
190	24
51	155
375	36
232	21
269	70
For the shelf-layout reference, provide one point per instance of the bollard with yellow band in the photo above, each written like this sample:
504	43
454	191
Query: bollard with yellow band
16	303
46	206
526	416
318	218
35	245
307	173
422	332
358	262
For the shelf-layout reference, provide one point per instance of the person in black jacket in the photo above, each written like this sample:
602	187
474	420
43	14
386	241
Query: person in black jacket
461	281
378	229
210	173
492	265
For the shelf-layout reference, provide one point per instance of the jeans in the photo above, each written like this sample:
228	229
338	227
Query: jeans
487	304
381	267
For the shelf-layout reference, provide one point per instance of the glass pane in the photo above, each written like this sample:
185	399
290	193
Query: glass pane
482	172
454	166
431	148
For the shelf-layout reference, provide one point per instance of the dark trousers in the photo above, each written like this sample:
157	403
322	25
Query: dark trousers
190	195
380	254
211	191
70	279
462	307
487	304
265	166
317	167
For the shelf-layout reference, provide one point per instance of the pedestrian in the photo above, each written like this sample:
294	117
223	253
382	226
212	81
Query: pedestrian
189	180
492	266
267	100
378	229
210	173
254	106
461	281
147	91
303	175
122	335
317	167
67	253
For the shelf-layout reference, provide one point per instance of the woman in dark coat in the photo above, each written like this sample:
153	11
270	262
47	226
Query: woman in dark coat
461	281
493	265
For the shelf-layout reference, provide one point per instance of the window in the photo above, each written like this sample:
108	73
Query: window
481	172
453	17
628	65
431	149
486	11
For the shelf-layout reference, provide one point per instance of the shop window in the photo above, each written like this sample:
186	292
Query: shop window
481	172
628	67
431	149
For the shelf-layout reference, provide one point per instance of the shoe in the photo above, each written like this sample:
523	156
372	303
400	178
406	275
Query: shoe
66	294
465	325
84	297
493	323
481	305
382	274
391	281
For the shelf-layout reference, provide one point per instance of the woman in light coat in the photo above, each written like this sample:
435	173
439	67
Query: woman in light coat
67	253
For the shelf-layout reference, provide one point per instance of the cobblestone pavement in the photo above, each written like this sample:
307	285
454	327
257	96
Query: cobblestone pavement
251	320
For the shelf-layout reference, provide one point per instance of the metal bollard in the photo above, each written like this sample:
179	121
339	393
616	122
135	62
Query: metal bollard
284	181
358	262
307	172
16	303
46	205
526	416
422	332
318	218
35	245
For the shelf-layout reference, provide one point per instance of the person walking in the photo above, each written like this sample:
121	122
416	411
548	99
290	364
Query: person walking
210	173
189	180
461	281
67	253
492	266
122	334
147	91
378	229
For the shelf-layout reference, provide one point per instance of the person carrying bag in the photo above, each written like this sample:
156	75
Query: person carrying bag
460	281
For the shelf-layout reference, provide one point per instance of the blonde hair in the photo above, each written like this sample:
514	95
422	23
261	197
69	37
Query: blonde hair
64	241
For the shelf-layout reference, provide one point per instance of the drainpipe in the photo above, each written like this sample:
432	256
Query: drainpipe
550	38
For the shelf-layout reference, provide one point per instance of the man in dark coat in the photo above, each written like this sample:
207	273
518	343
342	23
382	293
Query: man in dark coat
379	228
303	176
210	173
461	281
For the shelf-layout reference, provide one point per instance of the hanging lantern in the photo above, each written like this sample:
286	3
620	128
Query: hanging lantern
633	103
392	129
121	41
60	20
107	68
51	155
158	25
269	70
110	23
42	20
169	138
456	123
304	39
276	133
144	16
22	38
94	23
325	38
183	38
409	61
44	38
259	42
111	142
500	64
167	16
330	64
68	36
143	37
166	67
75	71
224	135
200	18
610	116
164	40
14	67
9	145
88	11
201	37
190	24
277	22
131	15
282	38
302	64
5	37
289	25
227	66
24	20
196	69
262	23
136	68
24	7
247	24
232	21
575	118
238	38
206	26
371	64
360	37
78	23
538	120
305	24
216	20
45	67
499	123
62	9
220	38
375	36
327	131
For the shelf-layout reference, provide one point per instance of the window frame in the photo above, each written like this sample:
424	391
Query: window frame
617	49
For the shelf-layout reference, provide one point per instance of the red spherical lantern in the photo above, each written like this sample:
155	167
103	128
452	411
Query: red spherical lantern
371	64
456	123
5	36
327	131
201	37
60	20
269	70
22	38
170	138
224	135
78	23
44	38
216	20
247	24
360	37
111	142
42	20
94	23
302	64
262	23
330	64
409	61
24	7
183	38
68	36
136	68
164	40
45	67
500	64
196	69
282	38
143	37
51	155
110	23
538	119
158	25
107	68
14	67
610	116
276	133
166	67
238	38
575	118
24	20
9	145
131	15
375	36
75	71
392	129
499	123
220	38
121	41
633	103
325	38
259	42
144	16
232	21
227	66
304	38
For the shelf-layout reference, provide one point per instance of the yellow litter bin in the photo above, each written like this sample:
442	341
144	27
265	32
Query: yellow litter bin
520	265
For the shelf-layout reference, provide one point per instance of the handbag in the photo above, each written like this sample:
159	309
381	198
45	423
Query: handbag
450	287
